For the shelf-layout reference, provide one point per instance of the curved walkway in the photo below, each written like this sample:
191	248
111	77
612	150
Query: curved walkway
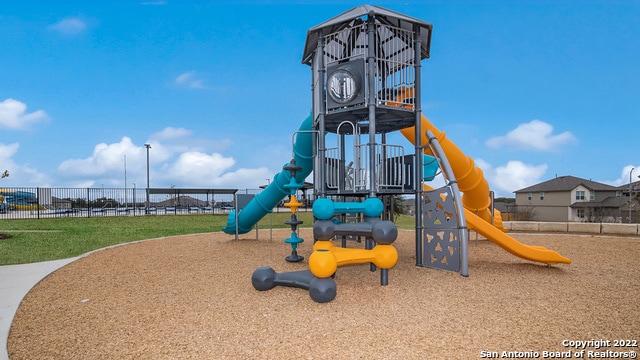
15	283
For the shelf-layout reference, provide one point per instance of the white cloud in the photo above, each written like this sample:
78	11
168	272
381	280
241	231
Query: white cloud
625	176
106	159
69	26
189	80
7	152
19	175
204	165
178	140
199	169
512	176
13	115
244	178
177	160
535	135
171	133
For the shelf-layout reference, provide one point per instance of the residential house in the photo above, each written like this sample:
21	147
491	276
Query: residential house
57	203
572	199
630	208
507	209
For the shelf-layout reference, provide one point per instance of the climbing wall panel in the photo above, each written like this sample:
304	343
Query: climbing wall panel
441	240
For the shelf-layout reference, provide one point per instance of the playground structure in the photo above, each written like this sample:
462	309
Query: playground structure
18	200
366	83
241	222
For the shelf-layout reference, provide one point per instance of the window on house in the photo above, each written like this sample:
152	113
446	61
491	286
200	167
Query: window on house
529	196
580	196
581	213
619	193
542	196
592	195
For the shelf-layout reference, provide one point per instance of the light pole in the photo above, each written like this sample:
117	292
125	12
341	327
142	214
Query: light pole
126	205
146	208
630	172
635	190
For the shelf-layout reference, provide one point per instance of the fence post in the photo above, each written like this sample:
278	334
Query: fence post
38	202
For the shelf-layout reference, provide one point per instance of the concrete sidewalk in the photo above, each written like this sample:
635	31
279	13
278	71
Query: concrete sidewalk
15	282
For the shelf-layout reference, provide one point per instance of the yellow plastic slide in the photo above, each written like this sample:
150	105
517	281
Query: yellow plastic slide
476	201
528	252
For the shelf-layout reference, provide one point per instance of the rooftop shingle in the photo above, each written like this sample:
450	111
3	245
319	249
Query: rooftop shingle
567	183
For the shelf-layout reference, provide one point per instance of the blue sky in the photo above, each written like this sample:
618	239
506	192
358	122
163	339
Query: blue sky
528	89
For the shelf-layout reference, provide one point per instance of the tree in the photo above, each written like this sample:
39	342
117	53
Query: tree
524	213
397	204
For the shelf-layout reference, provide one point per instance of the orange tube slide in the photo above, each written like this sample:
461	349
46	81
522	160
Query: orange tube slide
471	181
476	199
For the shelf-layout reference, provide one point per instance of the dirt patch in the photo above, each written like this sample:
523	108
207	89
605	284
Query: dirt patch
191	297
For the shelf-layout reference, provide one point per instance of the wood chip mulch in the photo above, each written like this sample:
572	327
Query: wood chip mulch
190	297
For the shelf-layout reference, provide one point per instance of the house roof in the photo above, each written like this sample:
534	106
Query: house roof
634	186
504	207
567	183
609	202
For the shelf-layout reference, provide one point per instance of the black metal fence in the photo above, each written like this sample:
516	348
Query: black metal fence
38	202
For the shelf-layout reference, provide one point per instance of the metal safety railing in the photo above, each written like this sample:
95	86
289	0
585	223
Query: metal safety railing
391	166
45	202
394	58
395	65
348	175
351	174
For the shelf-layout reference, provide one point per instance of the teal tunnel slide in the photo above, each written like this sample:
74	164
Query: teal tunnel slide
266	200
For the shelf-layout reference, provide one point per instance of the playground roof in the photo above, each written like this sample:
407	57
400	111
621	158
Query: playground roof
191	191
353	16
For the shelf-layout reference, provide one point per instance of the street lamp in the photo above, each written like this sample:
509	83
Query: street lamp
630	172
126	205
146	210
635	191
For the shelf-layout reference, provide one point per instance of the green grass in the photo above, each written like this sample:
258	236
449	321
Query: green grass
60	238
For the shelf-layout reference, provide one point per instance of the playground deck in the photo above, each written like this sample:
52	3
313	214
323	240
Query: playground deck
191	297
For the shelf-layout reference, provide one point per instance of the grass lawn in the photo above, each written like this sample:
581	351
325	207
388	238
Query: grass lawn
60	238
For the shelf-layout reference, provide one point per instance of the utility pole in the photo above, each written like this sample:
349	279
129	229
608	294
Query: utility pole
126	204
146	208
